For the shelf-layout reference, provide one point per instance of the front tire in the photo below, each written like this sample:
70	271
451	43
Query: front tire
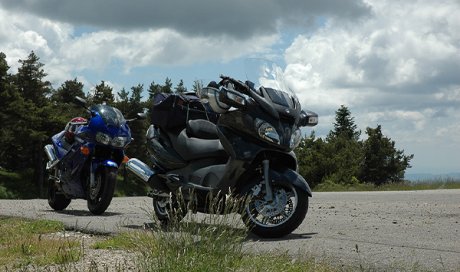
100	196
56	199
279	217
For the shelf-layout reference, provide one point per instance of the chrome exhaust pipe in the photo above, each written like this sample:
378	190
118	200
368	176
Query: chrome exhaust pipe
140	169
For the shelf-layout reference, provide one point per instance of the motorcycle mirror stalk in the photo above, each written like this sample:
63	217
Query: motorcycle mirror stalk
139	116
81	102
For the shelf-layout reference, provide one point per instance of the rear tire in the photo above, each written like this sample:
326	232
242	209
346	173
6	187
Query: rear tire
168	211
99	197
56	199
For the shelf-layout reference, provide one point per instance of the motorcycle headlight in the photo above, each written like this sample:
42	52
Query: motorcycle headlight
268	132
103	138
119	141
295	139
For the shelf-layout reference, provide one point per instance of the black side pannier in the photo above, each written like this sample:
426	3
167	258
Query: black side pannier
171	111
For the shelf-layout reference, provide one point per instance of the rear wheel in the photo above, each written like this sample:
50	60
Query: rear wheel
168	210
56	199
276	218
100	194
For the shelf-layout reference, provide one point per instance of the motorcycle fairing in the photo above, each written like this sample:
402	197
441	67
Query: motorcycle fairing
60	145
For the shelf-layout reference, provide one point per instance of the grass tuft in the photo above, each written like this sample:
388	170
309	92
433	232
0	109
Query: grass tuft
24	242
204	243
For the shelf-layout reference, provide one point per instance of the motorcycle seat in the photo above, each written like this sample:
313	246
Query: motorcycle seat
192	148
202	129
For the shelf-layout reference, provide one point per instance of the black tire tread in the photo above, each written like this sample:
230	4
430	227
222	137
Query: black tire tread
109	181
286	228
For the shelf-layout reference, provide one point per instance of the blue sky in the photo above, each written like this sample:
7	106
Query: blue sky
393	63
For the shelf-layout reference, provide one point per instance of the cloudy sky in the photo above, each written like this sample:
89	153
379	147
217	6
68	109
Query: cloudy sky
393	63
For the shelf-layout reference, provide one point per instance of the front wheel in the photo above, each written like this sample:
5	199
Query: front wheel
100	194
276	218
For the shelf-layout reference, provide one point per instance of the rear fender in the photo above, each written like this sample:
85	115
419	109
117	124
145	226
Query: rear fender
289	176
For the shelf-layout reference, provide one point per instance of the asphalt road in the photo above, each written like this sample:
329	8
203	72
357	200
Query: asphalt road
413	230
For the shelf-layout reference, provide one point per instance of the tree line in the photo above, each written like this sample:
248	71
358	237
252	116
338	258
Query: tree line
342	158
31	111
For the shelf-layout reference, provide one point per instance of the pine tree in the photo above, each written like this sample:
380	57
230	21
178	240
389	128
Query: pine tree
382	161
343	149
313	159
123	101
180	88
11	112
344	125
139	127
68	91
34	89
154	89
31	82
103	93
167	88
64	108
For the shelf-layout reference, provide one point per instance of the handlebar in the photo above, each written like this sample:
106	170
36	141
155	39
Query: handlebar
240	85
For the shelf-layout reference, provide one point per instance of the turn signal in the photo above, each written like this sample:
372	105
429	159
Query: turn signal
84	150
125	159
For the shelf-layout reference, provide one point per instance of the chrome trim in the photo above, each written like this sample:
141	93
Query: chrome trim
140	169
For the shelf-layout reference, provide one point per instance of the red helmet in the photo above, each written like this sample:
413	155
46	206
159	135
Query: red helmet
72	126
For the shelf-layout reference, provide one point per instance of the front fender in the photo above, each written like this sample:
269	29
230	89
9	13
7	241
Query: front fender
289	176
106	163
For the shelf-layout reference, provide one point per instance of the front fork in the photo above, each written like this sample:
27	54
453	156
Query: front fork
268	186
94	165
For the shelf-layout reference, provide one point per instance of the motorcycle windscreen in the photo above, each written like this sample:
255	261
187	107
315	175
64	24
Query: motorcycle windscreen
110	115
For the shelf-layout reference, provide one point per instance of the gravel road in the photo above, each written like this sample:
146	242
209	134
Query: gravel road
413	230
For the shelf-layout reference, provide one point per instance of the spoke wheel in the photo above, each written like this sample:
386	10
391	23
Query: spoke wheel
279	216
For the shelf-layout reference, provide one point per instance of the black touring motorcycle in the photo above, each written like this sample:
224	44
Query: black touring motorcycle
246	152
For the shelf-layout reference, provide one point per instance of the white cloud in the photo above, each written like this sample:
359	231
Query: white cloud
66	54
402	46
449	94
156	47
397	68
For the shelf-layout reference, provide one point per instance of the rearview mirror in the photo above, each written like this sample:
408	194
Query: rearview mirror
308	119
141	115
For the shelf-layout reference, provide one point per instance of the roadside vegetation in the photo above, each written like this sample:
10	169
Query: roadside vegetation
25	243
216	244
397	186
32	245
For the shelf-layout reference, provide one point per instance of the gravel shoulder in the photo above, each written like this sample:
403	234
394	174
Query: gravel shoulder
414	230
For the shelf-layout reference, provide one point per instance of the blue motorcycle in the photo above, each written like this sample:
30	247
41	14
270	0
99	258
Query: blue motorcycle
85	157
